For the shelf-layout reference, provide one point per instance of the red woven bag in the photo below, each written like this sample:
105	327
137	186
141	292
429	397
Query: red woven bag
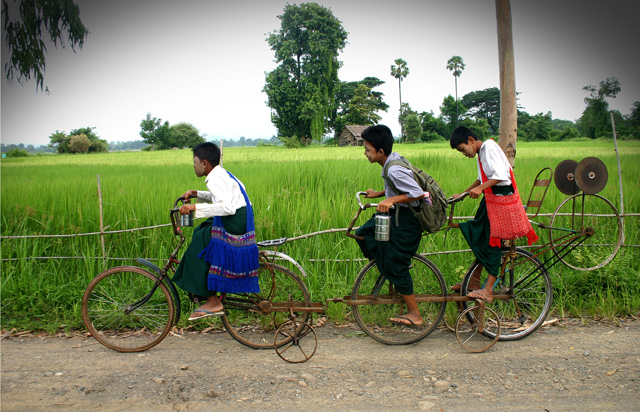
507	217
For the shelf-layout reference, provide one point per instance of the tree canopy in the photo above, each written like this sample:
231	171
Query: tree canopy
301	90
358	104
163	136
596	120
483	104
82	140
23	35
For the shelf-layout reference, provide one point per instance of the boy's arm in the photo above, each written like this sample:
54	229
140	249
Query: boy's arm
476	189
386	204
372	194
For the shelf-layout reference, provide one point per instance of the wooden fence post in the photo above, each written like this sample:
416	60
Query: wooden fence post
104	251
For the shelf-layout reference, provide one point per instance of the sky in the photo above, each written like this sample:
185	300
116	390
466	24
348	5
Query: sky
204	62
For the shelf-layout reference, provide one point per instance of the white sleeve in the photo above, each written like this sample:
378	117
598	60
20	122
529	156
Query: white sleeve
495	163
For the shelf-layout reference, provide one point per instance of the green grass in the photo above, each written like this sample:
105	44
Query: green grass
294	192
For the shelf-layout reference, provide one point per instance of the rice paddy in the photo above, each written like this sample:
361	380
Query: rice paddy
294	192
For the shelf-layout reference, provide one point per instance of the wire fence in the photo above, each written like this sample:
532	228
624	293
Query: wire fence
300	237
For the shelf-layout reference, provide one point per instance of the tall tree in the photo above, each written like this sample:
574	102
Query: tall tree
154	132
400	70
596	120
456	65
413	127
23	35
633	120
301	90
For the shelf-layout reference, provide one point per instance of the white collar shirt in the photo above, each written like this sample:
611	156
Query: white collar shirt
494	162
223	196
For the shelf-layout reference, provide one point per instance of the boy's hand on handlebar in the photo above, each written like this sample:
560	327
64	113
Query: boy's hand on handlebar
384	206
475	192
189	194
371	194
186	209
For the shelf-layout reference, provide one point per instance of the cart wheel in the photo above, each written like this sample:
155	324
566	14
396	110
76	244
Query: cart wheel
298	347
472	328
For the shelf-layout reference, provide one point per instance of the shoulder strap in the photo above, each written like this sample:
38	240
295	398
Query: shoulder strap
250	223
402	162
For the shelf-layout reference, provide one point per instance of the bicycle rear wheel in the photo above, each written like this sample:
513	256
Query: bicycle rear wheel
583	211
381	302
526	302
253	318
110	315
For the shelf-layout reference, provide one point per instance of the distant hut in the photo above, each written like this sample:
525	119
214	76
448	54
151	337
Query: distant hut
351	136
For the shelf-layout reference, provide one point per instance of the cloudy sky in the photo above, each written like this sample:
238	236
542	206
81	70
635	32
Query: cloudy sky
204	61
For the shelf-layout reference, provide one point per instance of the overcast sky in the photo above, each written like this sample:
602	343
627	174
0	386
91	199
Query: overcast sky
204	62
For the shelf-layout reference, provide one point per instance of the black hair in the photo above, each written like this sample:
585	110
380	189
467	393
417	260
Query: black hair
380	137
207	151
460	136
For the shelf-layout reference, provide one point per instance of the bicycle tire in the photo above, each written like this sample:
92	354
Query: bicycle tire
527	305
253	318
373	317
106	299
583	211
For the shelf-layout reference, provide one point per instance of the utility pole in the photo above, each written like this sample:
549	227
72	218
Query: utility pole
508	131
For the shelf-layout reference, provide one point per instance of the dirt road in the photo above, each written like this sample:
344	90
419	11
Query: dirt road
566	367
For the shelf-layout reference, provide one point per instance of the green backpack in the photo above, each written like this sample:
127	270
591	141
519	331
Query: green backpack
431	216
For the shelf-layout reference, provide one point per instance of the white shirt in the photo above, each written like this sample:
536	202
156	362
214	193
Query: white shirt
494	162
223	196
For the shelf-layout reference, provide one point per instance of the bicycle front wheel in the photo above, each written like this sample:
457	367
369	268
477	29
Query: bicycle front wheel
584	211
253	318
128	309
375	302
522	302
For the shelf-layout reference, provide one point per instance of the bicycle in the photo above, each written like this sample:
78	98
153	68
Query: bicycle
522	299
132	309
524	290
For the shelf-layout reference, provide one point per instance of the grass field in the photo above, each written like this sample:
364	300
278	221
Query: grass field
294	192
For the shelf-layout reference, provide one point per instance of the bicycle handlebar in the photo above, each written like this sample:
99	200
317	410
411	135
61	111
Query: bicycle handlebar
460	197
452	201
366	205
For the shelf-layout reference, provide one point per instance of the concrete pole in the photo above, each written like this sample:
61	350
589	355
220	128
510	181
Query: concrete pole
508	132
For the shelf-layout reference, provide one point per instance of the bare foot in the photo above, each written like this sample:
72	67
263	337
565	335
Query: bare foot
482	294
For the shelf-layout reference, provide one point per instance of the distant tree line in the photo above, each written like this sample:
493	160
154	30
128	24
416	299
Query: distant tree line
244	142
480	111
29	149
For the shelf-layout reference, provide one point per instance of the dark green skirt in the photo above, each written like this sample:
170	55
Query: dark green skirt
192	272
393	258
477	232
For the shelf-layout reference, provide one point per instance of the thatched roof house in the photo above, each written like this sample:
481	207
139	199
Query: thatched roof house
350	136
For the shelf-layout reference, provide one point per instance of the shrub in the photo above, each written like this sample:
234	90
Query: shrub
17	153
